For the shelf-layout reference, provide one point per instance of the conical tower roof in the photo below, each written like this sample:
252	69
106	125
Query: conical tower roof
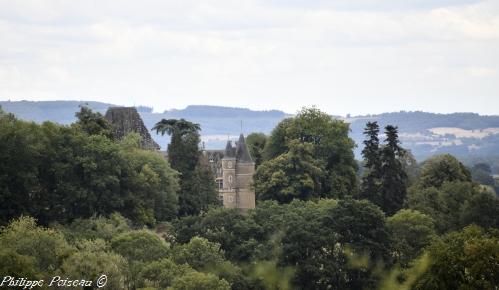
229	150
242	152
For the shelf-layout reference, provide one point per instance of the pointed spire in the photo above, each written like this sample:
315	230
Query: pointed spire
242	151
229	150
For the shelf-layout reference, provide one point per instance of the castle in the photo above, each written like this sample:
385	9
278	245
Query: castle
126	120
233	169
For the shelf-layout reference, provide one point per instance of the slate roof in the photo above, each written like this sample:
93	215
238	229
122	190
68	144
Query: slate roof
242	152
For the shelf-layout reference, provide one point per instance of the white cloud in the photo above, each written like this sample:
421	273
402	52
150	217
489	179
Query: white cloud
417	55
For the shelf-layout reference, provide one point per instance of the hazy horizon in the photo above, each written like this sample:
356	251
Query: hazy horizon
154	110
355	57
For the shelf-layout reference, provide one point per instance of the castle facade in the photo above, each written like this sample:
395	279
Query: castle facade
233	169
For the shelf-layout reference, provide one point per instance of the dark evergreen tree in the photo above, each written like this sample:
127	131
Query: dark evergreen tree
197	184
393	177
370	187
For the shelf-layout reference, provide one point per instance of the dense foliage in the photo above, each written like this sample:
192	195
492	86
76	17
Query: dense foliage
197	184
59	173
76	203
256	145
323	143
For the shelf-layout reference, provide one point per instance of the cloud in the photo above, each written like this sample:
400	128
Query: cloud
260	54
372	5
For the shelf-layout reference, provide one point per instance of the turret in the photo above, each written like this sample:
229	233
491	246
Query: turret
237	171
229	167
242	152
245	168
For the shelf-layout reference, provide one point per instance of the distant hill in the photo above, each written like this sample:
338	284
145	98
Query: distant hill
62	112
426	134
216	122
466	135
413	122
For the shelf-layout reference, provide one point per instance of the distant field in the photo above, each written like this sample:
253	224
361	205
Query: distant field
462	133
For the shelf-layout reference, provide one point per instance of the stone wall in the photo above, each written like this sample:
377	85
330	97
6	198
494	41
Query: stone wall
126	120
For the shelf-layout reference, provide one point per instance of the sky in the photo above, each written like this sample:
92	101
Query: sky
345	56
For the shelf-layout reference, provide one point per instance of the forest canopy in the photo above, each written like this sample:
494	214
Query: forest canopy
75	200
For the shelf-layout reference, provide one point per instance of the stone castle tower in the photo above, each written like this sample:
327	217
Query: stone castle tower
236	172
126	120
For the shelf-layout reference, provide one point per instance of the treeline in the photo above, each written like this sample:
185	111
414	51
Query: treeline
321	221
389	211
131	259
60	173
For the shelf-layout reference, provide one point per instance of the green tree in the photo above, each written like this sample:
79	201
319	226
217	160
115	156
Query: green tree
308	247
93	123
256	144
197	184
79	175
92	259
150	183
410	166
183	150
22	144
442	204
207	256
277	141
468	259
481	209
393	177
331	147
105	228
60	173
440	169
161	273
199	281
292	175
363	237
234	231
200	188
140	245
139	248
17	265
41	250
371	183
199	253
446	193
411	231
333	245
361	225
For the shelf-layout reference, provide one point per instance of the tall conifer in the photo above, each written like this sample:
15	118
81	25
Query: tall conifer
370	188
394	177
